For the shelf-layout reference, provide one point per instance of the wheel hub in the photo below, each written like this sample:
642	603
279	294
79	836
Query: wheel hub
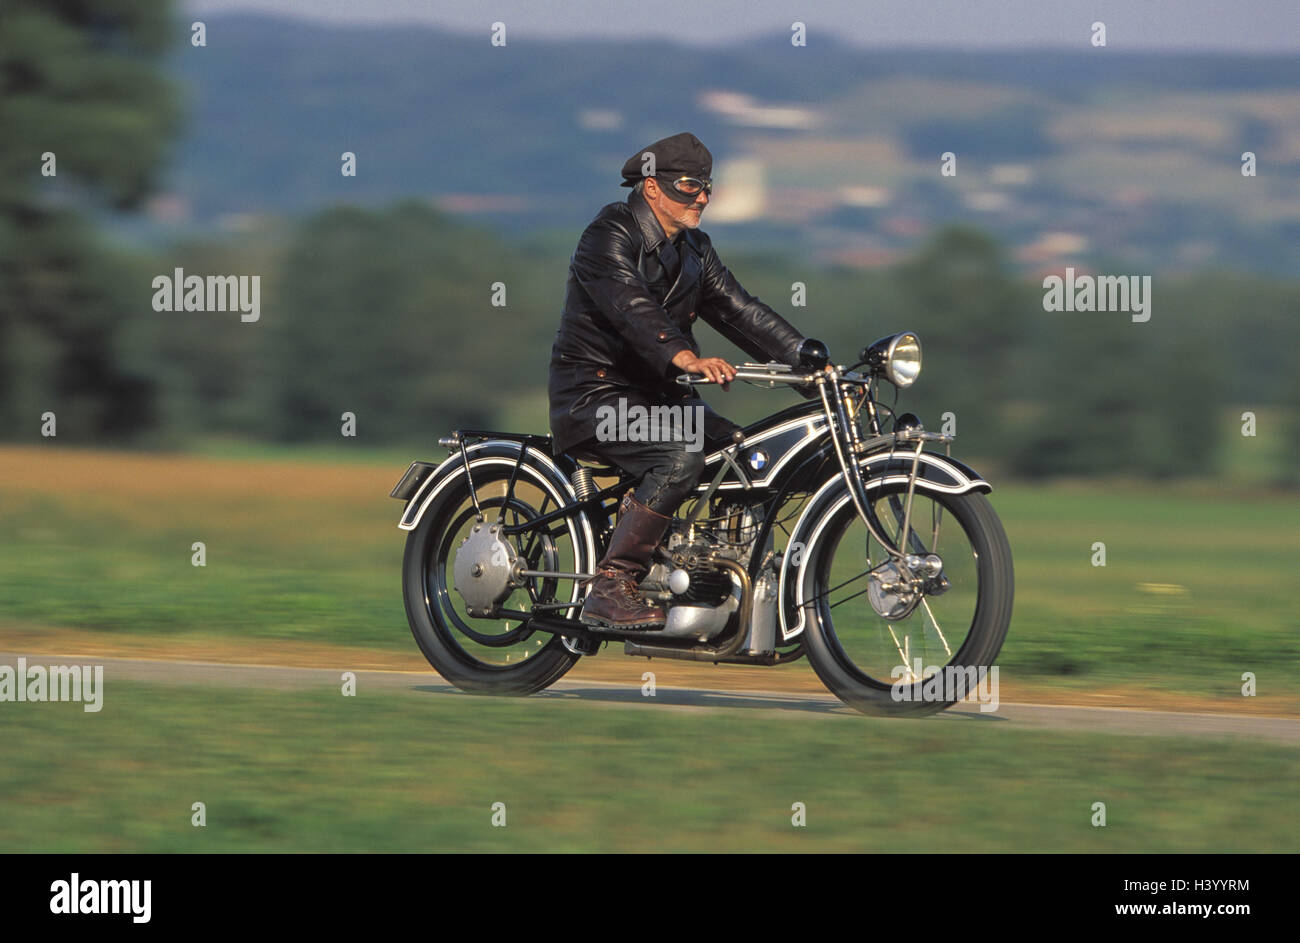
890	592
484	563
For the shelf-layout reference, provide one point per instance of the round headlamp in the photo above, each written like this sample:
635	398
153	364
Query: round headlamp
898	357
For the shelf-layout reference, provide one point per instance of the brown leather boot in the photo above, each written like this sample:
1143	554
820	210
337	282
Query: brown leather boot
614	601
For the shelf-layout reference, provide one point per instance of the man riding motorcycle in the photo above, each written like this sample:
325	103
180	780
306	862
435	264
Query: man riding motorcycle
641	275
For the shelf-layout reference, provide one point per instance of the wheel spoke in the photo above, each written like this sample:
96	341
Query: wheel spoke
848	598
902	654
926	605
827	592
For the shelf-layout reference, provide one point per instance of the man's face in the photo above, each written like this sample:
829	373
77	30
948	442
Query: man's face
682	215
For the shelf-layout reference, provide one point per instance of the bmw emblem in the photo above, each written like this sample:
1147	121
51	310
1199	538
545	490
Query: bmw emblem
758	459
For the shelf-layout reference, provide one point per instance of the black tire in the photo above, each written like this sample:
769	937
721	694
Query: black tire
464	649
851	651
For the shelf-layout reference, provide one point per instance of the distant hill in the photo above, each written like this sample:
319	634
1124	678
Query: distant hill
834	149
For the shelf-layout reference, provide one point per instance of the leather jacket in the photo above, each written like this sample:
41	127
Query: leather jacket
625	319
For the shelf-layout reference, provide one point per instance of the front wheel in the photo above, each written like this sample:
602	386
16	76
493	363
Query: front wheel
908	641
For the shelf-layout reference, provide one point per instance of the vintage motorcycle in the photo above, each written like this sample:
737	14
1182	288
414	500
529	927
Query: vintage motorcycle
895	574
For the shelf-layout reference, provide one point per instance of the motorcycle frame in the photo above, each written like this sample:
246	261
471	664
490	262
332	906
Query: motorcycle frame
799	468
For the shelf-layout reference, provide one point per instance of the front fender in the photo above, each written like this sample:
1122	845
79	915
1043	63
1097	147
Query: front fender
935	474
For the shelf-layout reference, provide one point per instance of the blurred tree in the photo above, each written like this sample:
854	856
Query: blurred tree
389	315
1116	397
971	315
79	81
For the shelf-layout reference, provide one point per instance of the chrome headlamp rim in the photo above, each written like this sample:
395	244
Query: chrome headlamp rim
902	368
896	357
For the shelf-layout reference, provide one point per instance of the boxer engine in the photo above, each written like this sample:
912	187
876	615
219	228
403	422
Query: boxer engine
700	577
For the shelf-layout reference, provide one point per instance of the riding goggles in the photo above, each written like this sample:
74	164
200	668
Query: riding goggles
686	189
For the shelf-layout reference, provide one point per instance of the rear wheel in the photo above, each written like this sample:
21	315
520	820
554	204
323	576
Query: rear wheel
889	642
503	654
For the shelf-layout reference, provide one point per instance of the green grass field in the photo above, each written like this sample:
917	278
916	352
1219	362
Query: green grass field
1198	586
1197	589
315	771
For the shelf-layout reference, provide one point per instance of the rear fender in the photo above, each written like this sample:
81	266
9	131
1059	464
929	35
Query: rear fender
538	468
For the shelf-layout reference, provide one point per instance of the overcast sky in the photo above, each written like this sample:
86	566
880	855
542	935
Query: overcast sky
1226	25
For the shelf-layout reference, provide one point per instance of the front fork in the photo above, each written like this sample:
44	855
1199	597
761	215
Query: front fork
844	436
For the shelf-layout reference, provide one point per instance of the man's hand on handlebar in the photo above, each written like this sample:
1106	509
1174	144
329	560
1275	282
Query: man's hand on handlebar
715	368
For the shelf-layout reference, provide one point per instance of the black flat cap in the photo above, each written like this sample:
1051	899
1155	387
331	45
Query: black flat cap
676	156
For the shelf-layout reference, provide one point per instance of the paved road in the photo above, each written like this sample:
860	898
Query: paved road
1118	720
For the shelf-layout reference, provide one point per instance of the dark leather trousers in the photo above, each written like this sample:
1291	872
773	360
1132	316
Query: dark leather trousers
668	471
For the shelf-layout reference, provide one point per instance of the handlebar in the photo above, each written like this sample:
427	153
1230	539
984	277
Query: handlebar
769	373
